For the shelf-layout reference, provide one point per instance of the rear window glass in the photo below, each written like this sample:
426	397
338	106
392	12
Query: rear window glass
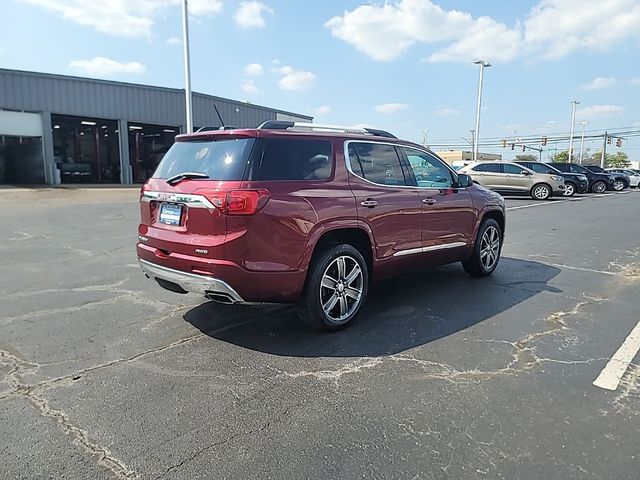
294	159
220	160
487	167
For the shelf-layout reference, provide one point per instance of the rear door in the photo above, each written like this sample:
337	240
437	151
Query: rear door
447	212
488	175
385	198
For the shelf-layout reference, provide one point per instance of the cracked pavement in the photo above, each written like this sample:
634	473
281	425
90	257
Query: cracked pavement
105	375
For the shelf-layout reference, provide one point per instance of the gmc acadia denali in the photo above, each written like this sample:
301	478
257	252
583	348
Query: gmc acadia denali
310	215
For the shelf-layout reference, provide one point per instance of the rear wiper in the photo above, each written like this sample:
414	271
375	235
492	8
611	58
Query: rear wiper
184	175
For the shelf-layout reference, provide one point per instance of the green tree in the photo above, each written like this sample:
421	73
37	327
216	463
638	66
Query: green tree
619	160
526	157
560	157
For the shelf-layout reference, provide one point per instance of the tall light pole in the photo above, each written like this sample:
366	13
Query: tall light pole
187	67
584	124
476	136
573	121
424	139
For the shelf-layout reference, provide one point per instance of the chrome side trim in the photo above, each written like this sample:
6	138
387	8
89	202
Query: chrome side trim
432	248
190	281
192	201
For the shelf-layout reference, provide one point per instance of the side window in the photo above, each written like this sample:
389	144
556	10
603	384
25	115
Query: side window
512	169
428	170
538	167
574	169
377	163
294	159
562	167
487	167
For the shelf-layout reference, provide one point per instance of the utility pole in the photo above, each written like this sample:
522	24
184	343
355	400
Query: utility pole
573	121
476	136
187	67
604	150
584	124
424	139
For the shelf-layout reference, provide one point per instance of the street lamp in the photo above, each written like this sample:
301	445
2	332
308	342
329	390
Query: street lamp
424	139
573	121
187	67
483	65
584	124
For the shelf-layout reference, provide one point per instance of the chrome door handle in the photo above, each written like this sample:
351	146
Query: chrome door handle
429	201
369	203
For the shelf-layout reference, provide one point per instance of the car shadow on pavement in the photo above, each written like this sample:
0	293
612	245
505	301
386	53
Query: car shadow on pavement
401	313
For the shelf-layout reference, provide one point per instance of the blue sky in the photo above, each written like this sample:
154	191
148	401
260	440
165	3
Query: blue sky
404	65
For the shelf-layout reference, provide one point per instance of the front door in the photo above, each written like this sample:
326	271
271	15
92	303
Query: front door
447	212
514	179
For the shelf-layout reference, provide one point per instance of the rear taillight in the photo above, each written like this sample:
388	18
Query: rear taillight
238	202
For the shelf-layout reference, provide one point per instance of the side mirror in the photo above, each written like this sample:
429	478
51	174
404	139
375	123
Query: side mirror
464	180
525	172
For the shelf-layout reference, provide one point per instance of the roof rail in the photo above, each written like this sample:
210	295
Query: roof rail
211	129
318	127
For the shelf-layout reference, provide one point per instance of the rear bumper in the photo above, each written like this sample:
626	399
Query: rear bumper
212	276
190	282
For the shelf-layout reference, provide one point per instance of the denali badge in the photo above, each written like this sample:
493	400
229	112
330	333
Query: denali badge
200	250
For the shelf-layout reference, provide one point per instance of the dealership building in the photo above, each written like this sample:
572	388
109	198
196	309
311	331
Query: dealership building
60	129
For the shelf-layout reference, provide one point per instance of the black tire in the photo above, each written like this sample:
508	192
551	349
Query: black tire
474	265
541	191
310	307
570	189
598	187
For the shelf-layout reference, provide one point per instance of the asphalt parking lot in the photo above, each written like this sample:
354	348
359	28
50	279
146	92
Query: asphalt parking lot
105	375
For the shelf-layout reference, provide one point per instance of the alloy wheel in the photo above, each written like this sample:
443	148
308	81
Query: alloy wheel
541	192
341	288
618	185
489	248
599	187
569	190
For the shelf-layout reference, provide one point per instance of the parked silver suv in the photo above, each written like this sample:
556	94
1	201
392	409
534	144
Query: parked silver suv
507	177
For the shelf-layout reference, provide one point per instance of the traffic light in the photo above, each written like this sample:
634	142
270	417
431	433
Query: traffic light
524	148
608	140
544	141
504	144
513	146
619	142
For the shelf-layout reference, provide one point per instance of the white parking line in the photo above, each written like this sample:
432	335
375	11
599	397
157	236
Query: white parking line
536	204
615	368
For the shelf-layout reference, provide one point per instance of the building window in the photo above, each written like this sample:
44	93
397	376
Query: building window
147	145
86	150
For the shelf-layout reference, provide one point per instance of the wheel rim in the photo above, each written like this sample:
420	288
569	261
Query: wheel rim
568	190
541	192
341	288
618	185
489	248
599	187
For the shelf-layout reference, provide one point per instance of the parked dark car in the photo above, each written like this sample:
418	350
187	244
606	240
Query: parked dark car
310	215
598	182
620	182
573	182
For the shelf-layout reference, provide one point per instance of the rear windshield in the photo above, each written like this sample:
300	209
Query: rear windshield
220	159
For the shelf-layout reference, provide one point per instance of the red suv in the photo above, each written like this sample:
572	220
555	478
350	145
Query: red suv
308	214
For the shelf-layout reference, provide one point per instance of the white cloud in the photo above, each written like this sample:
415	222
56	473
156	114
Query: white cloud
635	82
250	87
253	69
250	14
105	67
293	79
599	111
130	18
599	83
174	41
552	29
323	110
391	107
446	112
